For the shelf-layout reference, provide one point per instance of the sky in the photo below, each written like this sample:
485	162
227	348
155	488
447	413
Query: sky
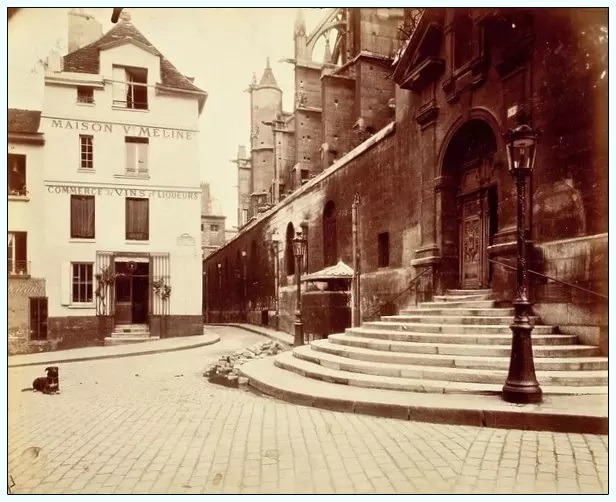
220	47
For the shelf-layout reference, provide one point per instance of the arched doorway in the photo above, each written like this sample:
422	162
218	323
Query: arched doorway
470	203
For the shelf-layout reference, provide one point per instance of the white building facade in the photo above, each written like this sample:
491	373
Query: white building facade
121	193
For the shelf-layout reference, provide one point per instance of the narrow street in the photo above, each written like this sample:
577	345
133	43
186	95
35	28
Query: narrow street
154	424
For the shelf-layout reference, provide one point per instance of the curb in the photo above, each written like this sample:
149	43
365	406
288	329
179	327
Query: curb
255	330
212	341
478	417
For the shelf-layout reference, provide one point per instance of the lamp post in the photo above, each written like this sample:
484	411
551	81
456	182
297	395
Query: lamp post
275	246
299	248
244	290
521	385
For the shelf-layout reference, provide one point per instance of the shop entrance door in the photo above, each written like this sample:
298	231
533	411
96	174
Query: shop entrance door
132	292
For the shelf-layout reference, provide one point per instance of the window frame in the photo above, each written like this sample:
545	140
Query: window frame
20	161
214	227
89	100
85	282
133	77
139	153
130	235
383	254
462	19
15	265
73	231
86	149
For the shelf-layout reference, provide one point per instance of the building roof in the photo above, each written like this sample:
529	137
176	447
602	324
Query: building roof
87	59
23	121
268	79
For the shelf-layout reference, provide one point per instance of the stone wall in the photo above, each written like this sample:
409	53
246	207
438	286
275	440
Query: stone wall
19	292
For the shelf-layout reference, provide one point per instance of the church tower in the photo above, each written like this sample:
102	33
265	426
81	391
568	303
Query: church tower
265	106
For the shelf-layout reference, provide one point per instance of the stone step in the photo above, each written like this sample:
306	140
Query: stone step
462	298
449	374
458	304
565	413
458	292
456	361
453	319
489	312
455	349
419	327
460	338
288	361
124	339
124	328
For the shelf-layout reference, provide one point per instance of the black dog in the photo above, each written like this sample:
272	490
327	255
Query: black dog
49	384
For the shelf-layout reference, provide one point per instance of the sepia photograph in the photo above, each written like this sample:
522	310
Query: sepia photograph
307	250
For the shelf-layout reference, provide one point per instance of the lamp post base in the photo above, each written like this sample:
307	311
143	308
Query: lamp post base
521	385
522	393
299	334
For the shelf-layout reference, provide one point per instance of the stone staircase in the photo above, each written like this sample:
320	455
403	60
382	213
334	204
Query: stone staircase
129	333
458	343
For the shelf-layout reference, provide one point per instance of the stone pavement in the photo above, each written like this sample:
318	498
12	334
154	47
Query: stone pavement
153	424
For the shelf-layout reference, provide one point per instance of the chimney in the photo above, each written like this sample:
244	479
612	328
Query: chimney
241	152
83	29
54	61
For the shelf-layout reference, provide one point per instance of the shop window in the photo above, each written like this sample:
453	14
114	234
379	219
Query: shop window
137	219
130	88
17	253
82	216
136	155
87	151
82	283
17	174
85	95
383	249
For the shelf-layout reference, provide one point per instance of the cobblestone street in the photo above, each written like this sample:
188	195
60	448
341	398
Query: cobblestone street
154	424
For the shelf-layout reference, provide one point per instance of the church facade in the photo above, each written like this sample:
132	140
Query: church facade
406	117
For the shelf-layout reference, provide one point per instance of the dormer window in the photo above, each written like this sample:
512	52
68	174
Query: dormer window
130	88
85	95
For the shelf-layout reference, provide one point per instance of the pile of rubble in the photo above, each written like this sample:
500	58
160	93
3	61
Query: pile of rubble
226	370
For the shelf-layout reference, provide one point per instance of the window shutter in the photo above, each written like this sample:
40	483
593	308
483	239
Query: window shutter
118	76
142	158
131	157
65	283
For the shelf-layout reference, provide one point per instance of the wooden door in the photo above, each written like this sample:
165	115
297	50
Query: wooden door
38	318
474	231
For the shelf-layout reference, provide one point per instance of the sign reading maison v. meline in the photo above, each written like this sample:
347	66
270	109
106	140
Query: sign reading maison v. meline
129	130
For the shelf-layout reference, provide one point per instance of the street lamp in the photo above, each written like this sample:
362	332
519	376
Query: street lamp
521	385
299	249
275	246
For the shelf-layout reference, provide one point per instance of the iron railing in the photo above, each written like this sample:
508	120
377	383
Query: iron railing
550	278
18	267
413	284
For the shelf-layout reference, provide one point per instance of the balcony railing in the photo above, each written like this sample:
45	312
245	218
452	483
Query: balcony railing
20	192
18	267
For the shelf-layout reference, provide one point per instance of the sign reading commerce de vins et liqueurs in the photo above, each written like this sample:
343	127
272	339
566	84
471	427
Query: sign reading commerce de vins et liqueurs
129	130
124	192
